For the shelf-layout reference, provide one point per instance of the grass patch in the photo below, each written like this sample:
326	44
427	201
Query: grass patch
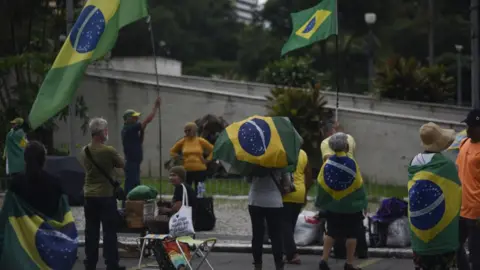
237	187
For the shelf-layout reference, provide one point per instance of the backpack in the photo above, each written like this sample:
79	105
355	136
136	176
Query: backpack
283	181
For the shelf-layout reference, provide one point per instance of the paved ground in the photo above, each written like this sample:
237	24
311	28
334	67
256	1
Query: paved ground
242	261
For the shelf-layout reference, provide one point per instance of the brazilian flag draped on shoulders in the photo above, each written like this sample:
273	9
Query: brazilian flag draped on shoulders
340	186
31	241
93	35
312	25
435	197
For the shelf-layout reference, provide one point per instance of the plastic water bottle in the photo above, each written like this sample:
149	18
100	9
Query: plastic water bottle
200	190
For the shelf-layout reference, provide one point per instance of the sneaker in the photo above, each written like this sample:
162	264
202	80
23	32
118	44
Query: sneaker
351	267
323	265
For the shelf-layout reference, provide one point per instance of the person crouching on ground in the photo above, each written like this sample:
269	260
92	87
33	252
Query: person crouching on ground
293	204
435	195
342	194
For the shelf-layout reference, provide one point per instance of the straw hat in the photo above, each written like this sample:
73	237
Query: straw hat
435	138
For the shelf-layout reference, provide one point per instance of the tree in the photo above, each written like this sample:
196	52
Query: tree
306	110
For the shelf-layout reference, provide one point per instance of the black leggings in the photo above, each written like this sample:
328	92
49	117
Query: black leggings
195	177
273	216
290	216
471	231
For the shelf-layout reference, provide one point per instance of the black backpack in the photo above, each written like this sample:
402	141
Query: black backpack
204	215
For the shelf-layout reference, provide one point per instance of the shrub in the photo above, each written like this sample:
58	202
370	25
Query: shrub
407	79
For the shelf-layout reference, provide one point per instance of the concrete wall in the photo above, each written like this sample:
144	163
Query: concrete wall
385	142
363	102
142	64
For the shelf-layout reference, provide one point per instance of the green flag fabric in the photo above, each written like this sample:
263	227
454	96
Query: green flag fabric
312	25
93	35
31	241
340	186
15	144
435	197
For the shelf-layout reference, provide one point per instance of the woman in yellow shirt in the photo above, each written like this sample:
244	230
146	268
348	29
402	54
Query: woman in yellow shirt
193	148
292	205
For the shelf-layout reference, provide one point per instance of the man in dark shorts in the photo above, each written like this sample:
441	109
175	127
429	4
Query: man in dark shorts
341	194
132	140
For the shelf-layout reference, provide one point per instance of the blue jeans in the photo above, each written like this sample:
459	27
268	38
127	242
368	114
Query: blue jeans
132	175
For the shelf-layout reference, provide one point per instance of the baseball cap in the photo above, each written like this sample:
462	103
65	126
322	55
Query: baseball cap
473	118
130	113
18	121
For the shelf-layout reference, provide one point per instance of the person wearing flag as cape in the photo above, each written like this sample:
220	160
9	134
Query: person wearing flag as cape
15	144
341	193
434	194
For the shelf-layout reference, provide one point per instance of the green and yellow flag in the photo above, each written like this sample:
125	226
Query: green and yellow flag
435	198
311	25
340	186
31	241
93	35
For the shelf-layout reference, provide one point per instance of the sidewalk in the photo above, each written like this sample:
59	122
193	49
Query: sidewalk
233	231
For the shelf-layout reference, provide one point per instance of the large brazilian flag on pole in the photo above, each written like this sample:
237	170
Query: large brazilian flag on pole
93	35
31	241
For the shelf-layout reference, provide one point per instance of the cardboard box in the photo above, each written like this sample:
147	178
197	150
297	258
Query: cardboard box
137	212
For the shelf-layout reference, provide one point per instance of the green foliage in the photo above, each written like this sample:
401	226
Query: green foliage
290	72
407	79
306	109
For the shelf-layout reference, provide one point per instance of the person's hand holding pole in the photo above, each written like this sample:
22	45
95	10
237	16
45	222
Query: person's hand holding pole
150	117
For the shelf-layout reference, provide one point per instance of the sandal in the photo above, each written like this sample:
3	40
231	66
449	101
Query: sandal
295	260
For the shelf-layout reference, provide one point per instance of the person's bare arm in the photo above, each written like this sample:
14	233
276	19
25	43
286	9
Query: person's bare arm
152	114
175	208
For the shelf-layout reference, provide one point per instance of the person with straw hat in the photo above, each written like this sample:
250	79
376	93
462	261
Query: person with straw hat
132	140
15	144
434	194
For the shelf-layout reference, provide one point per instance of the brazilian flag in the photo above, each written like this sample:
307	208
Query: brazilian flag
312	25
340	186
93	35
257	144
30	241
435	197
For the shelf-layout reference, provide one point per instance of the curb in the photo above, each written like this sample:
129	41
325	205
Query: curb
400	253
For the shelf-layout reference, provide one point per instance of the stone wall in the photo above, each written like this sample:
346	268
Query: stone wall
385	141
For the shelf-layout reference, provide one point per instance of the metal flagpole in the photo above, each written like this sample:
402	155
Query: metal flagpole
71	107
337	61
152	37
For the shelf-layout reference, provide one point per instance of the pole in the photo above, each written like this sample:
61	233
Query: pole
459	78
152	37
337	77
71	107
475	53
370	61
431	33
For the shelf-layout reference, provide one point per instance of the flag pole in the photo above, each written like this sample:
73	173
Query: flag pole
152	38
337	63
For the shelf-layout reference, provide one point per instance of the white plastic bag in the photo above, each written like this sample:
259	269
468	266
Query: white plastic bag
399	233
308	229
181	223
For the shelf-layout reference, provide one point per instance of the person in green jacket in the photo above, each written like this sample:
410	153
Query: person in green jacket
15	144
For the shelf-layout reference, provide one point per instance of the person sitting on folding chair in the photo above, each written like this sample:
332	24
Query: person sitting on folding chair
166	209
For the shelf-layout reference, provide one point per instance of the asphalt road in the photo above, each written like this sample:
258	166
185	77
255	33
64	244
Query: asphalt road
242	261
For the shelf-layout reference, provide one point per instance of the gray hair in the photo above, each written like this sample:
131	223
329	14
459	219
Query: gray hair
97	125
338	142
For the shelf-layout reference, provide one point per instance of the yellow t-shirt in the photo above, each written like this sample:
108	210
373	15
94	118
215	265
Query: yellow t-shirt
192	150
326	151
298	181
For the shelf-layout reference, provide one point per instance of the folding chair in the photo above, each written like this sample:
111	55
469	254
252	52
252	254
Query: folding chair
143	242
200	248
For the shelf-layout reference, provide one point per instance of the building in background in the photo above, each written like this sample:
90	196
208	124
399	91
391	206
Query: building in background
245	10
